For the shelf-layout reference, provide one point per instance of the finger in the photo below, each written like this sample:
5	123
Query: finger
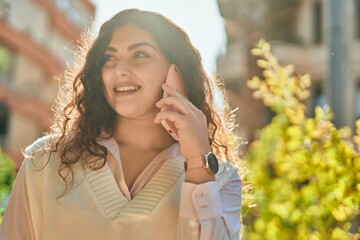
176	118
182	105
170	91
179	104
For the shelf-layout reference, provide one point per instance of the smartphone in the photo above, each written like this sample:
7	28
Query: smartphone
173	79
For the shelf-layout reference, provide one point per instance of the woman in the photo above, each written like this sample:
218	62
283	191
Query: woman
109	169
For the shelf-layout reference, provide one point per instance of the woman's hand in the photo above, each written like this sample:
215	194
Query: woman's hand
189	121
192	130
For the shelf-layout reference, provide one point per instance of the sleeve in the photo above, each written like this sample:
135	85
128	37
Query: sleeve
209	213
17	222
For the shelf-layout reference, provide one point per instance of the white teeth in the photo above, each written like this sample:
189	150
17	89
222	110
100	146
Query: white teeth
126	88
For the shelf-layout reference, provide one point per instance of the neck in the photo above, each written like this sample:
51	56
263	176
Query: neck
143	135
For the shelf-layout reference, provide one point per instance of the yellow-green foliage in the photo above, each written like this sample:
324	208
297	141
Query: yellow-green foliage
305	172
7	176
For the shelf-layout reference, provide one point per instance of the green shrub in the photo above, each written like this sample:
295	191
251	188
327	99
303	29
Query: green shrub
305	172
7	177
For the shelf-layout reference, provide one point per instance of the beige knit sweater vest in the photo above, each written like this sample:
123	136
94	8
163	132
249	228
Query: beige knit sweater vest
96	209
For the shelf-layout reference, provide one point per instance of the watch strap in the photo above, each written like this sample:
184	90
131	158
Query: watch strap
194	162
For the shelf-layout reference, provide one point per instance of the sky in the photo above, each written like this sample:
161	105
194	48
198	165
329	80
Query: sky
200	19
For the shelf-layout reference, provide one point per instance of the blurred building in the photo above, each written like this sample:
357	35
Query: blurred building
36	40
297	30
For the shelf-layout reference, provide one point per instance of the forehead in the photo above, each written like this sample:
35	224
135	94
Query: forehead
130	34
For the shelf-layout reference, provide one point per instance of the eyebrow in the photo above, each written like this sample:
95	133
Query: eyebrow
133	46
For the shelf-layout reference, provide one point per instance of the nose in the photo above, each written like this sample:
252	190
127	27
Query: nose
122	68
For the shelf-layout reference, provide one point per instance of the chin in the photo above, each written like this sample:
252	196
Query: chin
136	116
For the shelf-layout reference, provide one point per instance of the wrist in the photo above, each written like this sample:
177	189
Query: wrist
199	176
207	162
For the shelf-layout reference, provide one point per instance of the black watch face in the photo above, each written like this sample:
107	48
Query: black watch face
213	163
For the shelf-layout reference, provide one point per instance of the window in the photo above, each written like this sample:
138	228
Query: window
6	63
283	20
4	9
318	23
4	119
74	16
62	4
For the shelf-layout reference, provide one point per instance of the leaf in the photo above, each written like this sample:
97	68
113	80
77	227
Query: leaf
257	52
262	63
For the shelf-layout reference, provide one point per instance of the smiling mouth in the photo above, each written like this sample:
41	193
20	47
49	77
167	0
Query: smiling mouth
126	89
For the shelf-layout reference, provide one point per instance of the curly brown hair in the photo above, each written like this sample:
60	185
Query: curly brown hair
82	112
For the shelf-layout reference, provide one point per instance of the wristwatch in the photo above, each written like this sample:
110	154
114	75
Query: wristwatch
208	161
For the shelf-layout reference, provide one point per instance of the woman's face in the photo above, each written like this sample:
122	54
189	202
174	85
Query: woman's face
133	73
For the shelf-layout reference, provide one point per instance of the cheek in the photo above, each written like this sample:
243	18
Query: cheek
156	84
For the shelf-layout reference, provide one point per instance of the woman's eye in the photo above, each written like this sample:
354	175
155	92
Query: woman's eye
141	54
109	58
